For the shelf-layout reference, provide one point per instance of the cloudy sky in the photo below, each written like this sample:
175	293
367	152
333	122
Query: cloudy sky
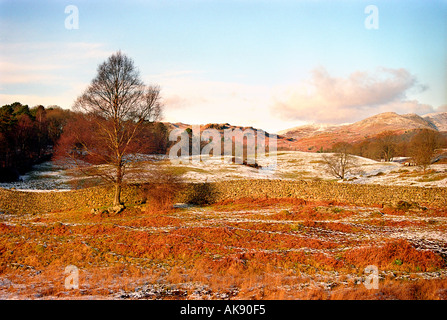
267	64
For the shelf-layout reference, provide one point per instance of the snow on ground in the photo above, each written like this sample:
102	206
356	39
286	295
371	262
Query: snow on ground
296	165
44	176
287	165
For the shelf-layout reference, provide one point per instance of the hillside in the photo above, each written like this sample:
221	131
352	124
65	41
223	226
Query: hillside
308	130
283	142
289	165
313	137
439	120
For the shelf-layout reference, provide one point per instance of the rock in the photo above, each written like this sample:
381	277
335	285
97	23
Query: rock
115	209
404	205
99	211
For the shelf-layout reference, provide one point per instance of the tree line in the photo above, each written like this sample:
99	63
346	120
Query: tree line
27	136
420	147
31	135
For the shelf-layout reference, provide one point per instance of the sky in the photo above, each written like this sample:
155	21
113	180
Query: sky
267	64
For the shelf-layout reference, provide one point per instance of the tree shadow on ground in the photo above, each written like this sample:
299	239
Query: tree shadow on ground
200	194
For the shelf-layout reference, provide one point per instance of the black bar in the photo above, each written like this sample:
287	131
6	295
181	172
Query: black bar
219	309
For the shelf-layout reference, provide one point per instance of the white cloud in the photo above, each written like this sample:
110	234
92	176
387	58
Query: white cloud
34	100
190	99
47	72
327	99
47	62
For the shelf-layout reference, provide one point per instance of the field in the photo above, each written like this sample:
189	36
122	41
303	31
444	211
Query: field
289	165
235	249
293	165
280	247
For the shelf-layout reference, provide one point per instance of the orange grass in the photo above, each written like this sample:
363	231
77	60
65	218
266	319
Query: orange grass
396	255
280	256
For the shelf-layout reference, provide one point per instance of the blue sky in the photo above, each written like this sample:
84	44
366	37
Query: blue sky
268	64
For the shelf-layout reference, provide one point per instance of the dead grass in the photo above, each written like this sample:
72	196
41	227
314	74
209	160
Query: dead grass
244	249
395	255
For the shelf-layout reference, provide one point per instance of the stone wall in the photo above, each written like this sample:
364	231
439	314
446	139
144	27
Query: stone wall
40	202
204	193
357	194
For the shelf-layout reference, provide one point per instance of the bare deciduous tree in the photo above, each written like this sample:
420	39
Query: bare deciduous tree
341	162
386	145
113	110
423	146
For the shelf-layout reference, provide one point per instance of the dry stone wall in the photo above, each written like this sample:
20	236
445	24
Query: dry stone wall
50	201
203	193
357	194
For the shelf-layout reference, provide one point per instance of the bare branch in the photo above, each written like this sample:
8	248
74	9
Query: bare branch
117	104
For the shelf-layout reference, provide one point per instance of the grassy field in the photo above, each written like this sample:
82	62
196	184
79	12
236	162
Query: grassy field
236	249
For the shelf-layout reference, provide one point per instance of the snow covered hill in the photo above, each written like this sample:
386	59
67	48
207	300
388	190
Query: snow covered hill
439	120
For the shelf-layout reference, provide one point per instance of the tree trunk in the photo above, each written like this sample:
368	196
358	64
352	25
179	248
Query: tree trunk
117	199
118	185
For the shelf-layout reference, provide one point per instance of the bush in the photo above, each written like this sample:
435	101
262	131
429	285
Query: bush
161	191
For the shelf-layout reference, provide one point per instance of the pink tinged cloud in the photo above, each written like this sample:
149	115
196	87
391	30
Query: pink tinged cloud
327	99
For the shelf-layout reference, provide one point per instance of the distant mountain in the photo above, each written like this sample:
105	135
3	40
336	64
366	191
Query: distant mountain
220	127
308	130
439	120
177	125
314	137
389	121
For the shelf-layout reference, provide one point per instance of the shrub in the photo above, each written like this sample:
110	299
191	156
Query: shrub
162	190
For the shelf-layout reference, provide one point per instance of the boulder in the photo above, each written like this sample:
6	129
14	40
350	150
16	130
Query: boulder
115	209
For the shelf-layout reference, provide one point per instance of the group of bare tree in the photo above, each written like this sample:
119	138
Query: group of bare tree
423	147
421	150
